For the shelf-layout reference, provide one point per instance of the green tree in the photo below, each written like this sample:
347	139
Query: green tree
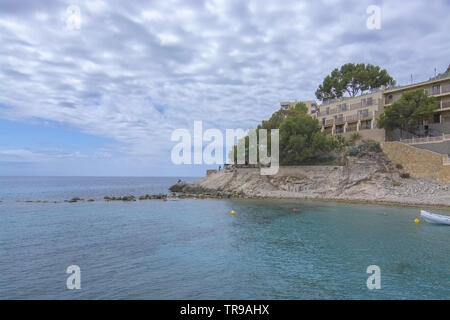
352	79
279	116
302	141
274	121
405	114
299	108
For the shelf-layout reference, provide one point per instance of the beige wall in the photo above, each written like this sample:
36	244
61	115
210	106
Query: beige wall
418	163
372	134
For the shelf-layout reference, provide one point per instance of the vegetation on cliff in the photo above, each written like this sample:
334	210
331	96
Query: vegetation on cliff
301	140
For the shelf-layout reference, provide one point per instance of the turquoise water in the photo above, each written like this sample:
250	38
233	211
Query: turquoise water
194	249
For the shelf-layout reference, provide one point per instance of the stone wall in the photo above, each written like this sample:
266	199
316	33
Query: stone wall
368	134
419	163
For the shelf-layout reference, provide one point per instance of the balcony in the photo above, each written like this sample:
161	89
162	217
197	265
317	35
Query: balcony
352	118
349	119
438	89
339	121
357	105
334	110
365	116
445	88
445	104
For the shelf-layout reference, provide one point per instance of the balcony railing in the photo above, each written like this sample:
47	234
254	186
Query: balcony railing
334	110
352	118
365	117
357	105
443	137
445	88
445	104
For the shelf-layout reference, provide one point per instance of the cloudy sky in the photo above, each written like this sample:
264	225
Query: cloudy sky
101	95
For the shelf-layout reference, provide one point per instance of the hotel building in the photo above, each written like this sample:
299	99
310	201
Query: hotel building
359	114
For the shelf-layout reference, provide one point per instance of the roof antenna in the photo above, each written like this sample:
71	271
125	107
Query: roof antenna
411	79
435	72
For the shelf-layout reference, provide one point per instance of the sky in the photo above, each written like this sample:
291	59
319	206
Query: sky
96	88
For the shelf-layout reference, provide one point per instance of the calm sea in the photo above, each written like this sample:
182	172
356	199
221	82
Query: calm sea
194	249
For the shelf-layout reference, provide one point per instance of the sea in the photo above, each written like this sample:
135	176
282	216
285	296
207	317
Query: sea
197	249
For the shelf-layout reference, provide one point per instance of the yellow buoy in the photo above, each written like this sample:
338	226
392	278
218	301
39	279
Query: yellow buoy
232	212
416	220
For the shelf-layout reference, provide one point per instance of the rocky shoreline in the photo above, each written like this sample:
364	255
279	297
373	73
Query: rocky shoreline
369	178
132	198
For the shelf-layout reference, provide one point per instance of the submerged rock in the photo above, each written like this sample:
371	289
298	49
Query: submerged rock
153	196
124	198
76	199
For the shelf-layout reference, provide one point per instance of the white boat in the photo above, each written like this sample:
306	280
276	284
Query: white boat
434	218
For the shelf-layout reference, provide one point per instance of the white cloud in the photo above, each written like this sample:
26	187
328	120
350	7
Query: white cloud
135	71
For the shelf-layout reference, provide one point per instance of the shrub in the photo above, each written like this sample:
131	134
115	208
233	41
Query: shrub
353	151
405	175
355	137
370	146
399	166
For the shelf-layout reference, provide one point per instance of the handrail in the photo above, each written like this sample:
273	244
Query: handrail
444	137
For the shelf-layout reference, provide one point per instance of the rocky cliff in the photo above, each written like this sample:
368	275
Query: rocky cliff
371	177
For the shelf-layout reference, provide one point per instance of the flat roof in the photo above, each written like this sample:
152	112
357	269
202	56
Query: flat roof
418	84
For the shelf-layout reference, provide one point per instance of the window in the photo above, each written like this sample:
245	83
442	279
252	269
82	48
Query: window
369	101
323	121
344	107
339	129
436	89
364	113
436	118
389	99
366	124
363	102
328	110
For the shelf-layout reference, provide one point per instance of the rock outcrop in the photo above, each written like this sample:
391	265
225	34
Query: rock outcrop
369	178
178	187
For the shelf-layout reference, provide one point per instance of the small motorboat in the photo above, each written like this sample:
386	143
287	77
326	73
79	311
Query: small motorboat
435	218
